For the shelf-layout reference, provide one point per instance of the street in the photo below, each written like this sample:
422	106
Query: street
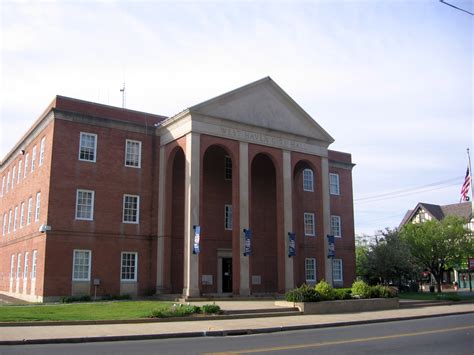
440	335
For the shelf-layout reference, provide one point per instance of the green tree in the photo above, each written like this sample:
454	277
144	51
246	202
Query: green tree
436	245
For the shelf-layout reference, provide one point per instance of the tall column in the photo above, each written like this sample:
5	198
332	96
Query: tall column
160	254
244	216
191	214
326	217
288	217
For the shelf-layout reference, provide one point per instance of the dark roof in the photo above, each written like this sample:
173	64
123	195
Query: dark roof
463	210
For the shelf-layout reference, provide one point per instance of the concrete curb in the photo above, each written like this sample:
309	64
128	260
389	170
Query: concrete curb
215	333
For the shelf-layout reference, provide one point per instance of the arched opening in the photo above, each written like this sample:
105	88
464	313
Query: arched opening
263	223
217	223
177	222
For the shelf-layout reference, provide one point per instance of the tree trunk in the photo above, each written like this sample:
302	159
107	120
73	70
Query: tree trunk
438	282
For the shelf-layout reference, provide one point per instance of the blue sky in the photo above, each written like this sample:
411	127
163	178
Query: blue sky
391	81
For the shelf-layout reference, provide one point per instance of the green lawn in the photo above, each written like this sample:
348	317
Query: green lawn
81	311
428	296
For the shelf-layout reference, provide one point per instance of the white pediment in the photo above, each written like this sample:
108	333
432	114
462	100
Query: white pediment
264	104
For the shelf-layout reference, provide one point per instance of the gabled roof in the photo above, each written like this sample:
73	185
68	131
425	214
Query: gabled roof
263	103
438	212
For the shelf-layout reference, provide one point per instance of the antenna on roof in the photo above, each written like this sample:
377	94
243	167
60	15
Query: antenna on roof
122	90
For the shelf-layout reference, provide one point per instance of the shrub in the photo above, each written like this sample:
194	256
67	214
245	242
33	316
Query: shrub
325	291
304	293
176	310
211	309
444	297
342	293
361	289
379	291
71	299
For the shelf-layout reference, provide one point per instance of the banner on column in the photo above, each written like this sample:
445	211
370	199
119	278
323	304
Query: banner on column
197	239
247	242
331	247
291	244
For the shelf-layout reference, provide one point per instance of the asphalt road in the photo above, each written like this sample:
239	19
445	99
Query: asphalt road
441	335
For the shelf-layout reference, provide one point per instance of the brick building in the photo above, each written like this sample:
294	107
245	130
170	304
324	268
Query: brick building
100	199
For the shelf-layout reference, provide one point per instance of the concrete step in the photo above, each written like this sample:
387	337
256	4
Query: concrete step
262	311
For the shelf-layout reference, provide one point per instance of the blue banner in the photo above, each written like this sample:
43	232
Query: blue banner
291	244
331	247
247	242
197	239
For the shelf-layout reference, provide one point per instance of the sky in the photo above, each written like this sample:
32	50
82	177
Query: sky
391	81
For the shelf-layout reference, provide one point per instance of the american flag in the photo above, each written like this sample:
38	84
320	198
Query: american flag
465	186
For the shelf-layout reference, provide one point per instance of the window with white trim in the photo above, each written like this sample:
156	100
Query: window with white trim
25	268
15	217
22	215
85	205
336	226
337	269
131	209
228	219
310	269
129	266
18	267
20	164
13	176
334	184
309	229
3	184
133	153
88	147
308	180
81	265
227	168
12	267
8	182
33	159
41	159
38	204
33	264
9	221
27	156
4	229
30	210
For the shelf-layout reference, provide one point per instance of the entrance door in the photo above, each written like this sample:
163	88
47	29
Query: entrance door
226	275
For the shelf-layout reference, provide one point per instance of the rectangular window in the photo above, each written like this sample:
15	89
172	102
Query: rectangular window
13	176
310	269
337	269
334	184
30	210
308	180
133	153
9	221
33	264
20	163
4	230
3	185
25	268
12	267
33	159
26	164
18	266
41	160
8	182
22	215
15	218
336	226
228	217
81	265
309	224
38	204
129	266
228	168
88	147
131	208
85	205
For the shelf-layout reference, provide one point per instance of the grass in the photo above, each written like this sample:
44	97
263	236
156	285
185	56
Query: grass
428	296
82	311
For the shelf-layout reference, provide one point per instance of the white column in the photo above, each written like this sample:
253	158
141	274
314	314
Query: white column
244	215
160	252
288	216
326	217
191	214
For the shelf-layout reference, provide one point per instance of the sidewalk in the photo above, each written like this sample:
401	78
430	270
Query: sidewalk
113	332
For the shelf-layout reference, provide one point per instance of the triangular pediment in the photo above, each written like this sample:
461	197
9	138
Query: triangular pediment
264	104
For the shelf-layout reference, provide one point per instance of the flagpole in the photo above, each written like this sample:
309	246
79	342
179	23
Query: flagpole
470	176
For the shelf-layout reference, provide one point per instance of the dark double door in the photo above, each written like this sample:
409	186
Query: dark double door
226	275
